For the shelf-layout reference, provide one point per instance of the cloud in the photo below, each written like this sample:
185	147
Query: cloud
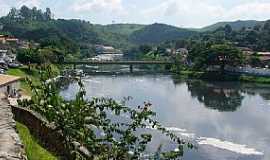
197	13
4	9
99	6
29	3
252	10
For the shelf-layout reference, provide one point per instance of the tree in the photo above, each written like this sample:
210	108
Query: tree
222	55
48	14
255	61
13	13
25	12
215	96
145	48
25	56
228	29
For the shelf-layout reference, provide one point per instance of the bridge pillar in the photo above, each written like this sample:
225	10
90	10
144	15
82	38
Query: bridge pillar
131	68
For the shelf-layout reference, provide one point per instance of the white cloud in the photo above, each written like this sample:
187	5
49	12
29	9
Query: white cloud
6	5
4	9
198	13
29	3
253	10
99	6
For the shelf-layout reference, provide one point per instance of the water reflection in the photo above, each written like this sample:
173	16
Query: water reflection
232	115
215	96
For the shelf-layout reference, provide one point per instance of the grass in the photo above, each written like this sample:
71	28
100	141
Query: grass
33	74
254	79
33	150
224	77
24	72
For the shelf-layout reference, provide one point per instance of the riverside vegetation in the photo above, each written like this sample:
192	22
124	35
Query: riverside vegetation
75	39
80	120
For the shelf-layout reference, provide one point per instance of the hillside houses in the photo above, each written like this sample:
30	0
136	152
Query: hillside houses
8	39
8	45
101	49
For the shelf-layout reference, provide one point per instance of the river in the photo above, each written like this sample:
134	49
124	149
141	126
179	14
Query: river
226	120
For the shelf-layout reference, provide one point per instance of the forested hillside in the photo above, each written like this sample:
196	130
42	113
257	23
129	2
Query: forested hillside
80	36
123	29
236	25
157	33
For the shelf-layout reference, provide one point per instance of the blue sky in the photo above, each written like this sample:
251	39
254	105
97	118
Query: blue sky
182	13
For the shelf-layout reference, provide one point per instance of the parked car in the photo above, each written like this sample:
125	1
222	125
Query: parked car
2	71
14	65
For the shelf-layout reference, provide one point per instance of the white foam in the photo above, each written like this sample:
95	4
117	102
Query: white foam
93	81
174	129
225	145
230	146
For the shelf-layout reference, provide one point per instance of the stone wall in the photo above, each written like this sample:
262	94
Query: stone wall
49	138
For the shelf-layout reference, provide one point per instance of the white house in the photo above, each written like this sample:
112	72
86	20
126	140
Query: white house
9	85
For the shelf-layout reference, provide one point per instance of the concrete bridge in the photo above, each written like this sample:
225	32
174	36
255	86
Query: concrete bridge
130	63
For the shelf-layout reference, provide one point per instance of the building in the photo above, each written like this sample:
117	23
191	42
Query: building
246	51
8	39
3	53
182	51
264	56
9	85
100	49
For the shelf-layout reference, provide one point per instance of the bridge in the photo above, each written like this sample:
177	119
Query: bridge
130	63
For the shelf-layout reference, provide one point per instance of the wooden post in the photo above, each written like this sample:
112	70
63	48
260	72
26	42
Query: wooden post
74	66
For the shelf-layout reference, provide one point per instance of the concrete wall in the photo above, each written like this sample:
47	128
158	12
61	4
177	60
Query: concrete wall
15	85
49	137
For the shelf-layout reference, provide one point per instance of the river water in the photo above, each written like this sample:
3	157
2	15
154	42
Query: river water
225	120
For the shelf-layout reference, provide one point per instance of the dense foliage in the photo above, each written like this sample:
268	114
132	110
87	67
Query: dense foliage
157	33
106	128
236	25
256	38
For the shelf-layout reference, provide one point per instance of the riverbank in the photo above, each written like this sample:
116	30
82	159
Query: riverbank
33	148
33	74
217	76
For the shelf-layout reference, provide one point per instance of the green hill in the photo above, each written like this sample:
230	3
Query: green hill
157	33
236	25
123	29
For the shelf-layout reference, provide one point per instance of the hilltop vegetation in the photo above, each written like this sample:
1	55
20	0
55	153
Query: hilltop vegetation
123	29
77	38
157	33
76	35
236	25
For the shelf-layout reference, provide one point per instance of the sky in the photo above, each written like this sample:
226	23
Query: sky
181	13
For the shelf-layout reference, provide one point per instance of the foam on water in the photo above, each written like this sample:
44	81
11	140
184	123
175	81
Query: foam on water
230	146
174	129
217	143
93	81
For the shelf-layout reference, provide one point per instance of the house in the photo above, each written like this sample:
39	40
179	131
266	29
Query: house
3	53
264	56
181	51
100	49
9	85
8	39
246	51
